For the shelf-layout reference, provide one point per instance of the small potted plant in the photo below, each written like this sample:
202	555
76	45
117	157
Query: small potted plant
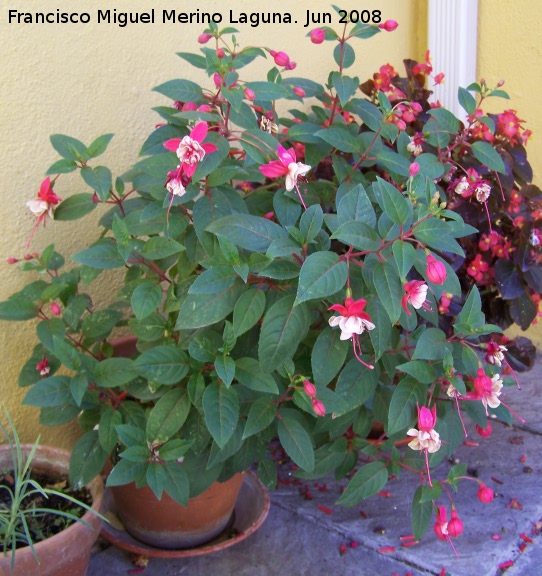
44	527
290	271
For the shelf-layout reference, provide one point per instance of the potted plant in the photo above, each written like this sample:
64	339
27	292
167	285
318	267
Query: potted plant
44	527
290	270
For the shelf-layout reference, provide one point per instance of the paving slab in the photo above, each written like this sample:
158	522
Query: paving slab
305	528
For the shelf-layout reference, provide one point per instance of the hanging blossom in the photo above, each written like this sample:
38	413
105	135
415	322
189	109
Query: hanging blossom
425	437
416	295
487	389
287	166
352	321
446	529
43	205
190	149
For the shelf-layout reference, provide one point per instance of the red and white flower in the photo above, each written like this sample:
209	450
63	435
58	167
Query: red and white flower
43	205
425	437
416	295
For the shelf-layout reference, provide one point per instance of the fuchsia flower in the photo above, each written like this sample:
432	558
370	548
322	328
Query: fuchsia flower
388	25
286	166
43	367
282	59
413	169
444	529
494	353
191	150
425	437
484	432
487	389
249	94
318	407
485	494
42	206
435	270
204	38
352	321
317	36
415	294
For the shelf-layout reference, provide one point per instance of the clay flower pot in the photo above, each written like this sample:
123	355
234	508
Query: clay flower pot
68	552
166	524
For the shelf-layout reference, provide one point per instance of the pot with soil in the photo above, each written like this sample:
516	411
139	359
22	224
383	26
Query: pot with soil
67	552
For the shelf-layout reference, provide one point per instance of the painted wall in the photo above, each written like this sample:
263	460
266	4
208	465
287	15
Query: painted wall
86	80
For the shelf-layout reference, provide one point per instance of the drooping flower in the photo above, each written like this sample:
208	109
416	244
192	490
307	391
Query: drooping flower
287	166
485	494
415	294
435	270
43	205
415	144
495	353
442	527
487	389
425	437
43	367
484	432
352	321
191	149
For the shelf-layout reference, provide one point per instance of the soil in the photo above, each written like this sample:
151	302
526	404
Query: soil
43	525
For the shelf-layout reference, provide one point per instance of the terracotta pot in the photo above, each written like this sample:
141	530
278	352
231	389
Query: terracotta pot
66	553
166	524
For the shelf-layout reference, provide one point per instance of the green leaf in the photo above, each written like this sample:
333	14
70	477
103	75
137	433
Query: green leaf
249	374
367	481
446	120
437	234
345	86
221	410
113	372
125	472
367	111
248	310
213	280
176	483
181	90
50	392
225	369
345	57
304	132
68	147
146	298
405	256
155	478
268	91
295	439
321	275
283	328
431	345
168	416
328	356
163	364
356	206
199	310
388	287
248	231
99	146
107	432
356	383
339	138
381	334
421	371
62	167
402	409
103	255
260	416
130	435
393	162
311	222
87	459
17	309
471	316
100	323
48	329
75	207
466	100
421	513
196	60
393	203
158	247
99	179
487	155
359	235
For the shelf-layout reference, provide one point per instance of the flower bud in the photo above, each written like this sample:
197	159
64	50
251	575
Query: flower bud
485	494
427	418
388	25
28	257
12	260
205	108
189	107
299	91
413	169
455	525
95	198
55	309
435	270
281	58
249	94
317	36
484	432
220	53
310	388
204	38
217	80
318	407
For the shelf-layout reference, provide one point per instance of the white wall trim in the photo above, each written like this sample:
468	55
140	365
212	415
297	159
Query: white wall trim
452	33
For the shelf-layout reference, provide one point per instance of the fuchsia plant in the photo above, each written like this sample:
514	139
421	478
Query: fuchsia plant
301	274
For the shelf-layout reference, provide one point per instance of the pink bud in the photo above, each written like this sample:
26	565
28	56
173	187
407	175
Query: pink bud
413	169
318	407
220	53
427	418
217	80
28	257
249	94
290	65
485	494
388	25
484	432
12	260
435	270
205	108
281	58
55	309
204	38
299	91
95	198
269	215
317	36
455	525
310	388
189	107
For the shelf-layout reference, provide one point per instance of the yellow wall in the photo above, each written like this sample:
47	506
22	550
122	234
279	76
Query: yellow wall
86	80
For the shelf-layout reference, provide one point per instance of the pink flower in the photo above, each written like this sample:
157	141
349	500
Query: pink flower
220	53
310	388
445	530
485	494
55	309
413	169
487	389
484	432
388	25
190	149
435	270
286	166
176	183
415	144
318	407
299	91
352	321
415	294
425	438
249	94
204	38
494	353
455	525
439	78
317	36
43	367
43	206
280	58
